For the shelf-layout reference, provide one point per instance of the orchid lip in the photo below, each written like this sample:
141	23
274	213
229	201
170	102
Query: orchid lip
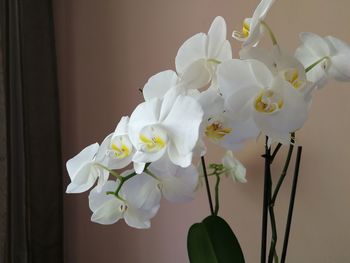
217	131
268	102
152	139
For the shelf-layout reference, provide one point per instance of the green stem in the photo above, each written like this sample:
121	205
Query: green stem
291	205
272	35
114	173
315	64
285	169
278	147
266	199
207	185
217	172
272	252
215	61
151	174
217	206
122	181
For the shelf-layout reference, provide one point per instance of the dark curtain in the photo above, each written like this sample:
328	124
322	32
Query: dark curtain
3	162
33	143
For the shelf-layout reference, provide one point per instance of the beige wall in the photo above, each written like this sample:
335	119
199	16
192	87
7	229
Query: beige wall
107	49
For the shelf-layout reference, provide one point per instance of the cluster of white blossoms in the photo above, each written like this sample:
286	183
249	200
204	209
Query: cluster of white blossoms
210	95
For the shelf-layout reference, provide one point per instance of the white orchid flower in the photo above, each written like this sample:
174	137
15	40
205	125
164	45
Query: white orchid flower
85	168
117	146
222	126
234	168
250	89
159	84
169	125
230	131
326	57
197	59
138	204
281	63
252	27
177	184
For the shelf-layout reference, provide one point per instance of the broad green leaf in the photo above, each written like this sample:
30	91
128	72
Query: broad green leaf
213	241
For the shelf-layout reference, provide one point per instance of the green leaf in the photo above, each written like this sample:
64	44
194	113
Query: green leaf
213	241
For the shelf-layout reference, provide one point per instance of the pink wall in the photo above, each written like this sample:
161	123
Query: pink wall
108	49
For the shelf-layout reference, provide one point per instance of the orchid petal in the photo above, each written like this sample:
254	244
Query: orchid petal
145	114
139	167
86	155
196	75
340	68
141	192
182	123
315	44
106	208
140	218
122	127
233	75
183	160
225	52
216	37
109	213
191	50
177	184
148	157
159	84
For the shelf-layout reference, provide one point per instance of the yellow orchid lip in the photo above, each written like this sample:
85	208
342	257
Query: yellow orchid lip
155	143
246	29
292	76
268	102
216	131
120	152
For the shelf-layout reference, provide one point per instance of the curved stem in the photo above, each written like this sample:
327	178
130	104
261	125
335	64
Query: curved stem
217	206
114	173
278	147
122	181
207	185
285	169
148	172
272	252
291	205
267	193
